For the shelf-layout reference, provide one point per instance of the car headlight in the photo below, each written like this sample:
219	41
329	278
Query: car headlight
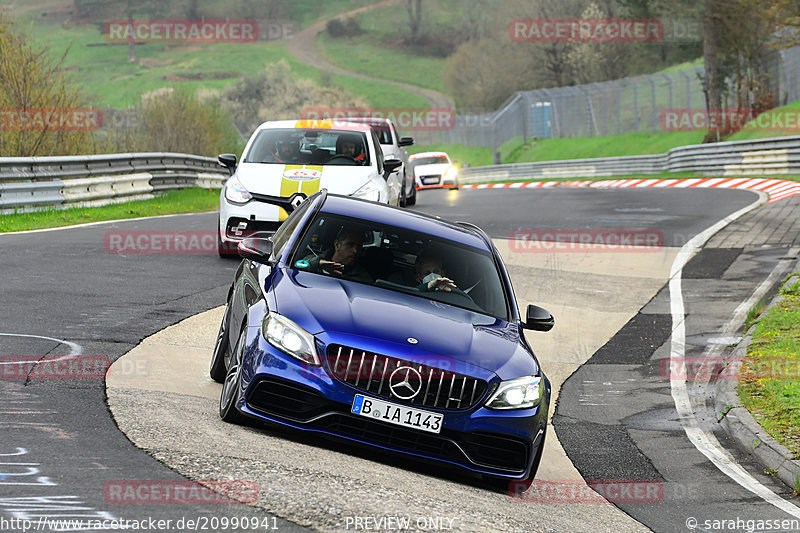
370	191
451	173
236	193
521	393
290	338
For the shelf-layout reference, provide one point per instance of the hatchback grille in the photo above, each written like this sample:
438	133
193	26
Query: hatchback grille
397	379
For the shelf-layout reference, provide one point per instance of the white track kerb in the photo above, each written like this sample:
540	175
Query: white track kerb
703	440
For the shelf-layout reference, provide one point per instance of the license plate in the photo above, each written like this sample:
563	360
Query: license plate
399	415
430	181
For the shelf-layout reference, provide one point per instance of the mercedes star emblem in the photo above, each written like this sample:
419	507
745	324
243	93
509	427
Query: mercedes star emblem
400	385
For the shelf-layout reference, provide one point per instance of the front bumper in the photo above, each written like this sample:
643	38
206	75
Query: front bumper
237	221
436	181
281	389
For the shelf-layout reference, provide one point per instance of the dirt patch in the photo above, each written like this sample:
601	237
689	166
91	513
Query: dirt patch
185	47
196	76
150	62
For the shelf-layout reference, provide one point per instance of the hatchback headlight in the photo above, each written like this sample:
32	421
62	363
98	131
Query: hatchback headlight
521	393
370	191
236	193
451	173
290	338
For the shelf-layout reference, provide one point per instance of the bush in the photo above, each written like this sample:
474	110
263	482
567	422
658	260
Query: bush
338	28
176	120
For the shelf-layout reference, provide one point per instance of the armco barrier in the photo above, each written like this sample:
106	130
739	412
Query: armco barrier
771	156
31	183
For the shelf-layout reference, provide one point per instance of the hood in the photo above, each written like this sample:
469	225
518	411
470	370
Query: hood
384	320
427	170
271	179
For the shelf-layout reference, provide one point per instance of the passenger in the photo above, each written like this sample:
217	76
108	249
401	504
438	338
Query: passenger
342	260
431	274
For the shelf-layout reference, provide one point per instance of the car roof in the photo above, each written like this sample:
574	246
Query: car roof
368	120
402	218
429	154
315	125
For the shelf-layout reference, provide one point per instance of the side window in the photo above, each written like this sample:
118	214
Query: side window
286	229
378	151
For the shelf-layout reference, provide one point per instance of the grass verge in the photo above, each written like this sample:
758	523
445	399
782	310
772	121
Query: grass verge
588	147
189	200
769	380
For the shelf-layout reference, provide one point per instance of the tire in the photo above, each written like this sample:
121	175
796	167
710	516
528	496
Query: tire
220	245
229	393
411	200
403	199
222	350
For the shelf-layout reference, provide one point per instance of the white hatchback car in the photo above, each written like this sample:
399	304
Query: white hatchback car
393	146
284	162
433	170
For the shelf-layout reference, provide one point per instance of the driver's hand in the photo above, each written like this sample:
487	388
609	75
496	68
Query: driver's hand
331	267
441	284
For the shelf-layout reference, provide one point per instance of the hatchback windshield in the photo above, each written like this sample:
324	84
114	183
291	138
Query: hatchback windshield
433	160
404	260
308	147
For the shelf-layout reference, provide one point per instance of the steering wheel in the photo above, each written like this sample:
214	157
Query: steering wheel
454	291
350	160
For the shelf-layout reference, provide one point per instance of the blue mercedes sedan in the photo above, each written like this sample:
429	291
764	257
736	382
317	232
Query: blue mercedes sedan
389	328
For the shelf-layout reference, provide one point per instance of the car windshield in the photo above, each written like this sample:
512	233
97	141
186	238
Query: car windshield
403	260
432	160
292	146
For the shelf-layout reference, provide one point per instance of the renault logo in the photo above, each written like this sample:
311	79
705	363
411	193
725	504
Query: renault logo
297	199
405	382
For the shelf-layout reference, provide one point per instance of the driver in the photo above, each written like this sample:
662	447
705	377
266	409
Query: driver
346	145
342	261
287	150
431	274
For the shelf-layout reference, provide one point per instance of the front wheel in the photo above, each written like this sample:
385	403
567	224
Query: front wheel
222	350
230	388
411	200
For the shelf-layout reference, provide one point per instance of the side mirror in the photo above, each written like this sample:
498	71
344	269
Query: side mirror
258	249
389	166
405	141
538	319
228	161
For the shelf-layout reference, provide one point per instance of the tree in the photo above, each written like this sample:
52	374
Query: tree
414	8
277	94
34	89
598	61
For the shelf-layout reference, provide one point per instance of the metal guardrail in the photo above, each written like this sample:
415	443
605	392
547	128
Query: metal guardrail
32	183
780	155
